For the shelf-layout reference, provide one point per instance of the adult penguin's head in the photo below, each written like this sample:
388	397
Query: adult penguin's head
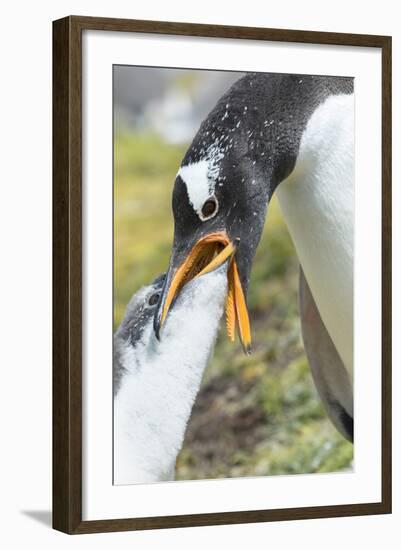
219	206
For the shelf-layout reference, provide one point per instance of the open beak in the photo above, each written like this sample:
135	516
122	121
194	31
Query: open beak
208	254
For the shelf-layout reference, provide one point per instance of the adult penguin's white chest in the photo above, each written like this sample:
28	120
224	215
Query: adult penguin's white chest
317	201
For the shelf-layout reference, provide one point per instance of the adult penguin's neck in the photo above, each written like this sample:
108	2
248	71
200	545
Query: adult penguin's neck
259	124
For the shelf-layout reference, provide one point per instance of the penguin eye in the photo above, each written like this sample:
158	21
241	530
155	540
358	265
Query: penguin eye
209	208
154	299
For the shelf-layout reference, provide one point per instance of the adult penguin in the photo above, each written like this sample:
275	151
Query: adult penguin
292	134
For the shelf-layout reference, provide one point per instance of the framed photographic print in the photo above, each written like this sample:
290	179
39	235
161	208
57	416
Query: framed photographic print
221	274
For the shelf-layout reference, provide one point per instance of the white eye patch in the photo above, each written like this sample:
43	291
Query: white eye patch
198	183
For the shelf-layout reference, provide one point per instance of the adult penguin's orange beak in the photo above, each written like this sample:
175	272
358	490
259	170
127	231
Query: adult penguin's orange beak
206	255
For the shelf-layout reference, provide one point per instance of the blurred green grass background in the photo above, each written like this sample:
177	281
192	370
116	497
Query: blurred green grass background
257	415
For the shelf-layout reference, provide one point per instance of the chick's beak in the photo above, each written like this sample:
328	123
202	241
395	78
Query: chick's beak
206	255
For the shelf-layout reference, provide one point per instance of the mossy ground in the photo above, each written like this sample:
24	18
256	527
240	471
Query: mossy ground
257	415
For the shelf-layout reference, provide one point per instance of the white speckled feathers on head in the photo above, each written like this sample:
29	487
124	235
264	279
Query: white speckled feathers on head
200	177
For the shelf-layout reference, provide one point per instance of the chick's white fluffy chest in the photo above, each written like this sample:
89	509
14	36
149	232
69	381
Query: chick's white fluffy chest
154	402
317	201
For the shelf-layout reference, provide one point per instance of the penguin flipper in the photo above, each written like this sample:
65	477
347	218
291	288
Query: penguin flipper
328	371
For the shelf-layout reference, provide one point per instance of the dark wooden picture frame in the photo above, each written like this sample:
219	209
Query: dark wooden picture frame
67	274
